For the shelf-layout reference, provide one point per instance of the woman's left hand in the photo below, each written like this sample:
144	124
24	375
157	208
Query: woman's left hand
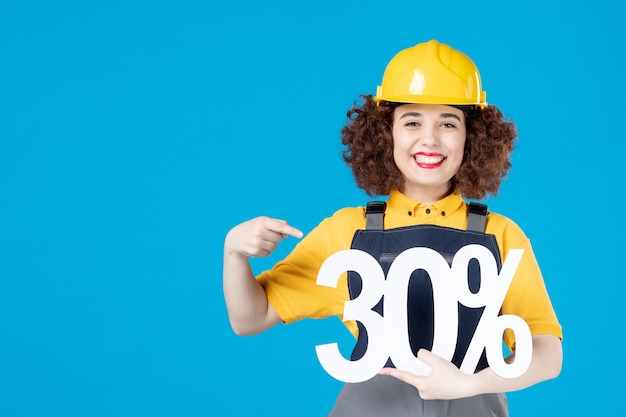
444	382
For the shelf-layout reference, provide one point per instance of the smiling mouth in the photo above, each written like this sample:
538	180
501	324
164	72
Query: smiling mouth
428	159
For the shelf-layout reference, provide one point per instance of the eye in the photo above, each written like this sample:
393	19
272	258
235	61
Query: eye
412	124
448	125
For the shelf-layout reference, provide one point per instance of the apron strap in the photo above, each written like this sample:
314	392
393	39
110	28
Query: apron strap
476	217
374	214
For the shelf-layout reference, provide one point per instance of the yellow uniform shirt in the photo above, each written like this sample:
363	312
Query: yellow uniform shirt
291	285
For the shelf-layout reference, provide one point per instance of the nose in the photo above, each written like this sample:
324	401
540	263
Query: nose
429	136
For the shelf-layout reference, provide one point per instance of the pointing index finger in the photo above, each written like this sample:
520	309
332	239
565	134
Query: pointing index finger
282	227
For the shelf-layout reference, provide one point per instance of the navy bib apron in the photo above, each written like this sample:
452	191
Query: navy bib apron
387	396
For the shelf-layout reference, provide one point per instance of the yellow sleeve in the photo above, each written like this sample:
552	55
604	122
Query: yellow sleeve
527	296
291	284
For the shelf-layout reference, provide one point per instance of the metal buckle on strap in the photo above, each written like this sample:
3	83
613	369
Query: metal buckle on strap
477	217
374	213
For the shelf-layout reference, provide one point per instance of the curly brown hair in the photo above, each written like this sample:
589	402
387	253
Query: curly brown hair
369	150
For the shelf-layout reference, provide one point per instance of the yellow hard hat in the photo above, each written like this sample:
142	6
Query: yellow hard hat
432	73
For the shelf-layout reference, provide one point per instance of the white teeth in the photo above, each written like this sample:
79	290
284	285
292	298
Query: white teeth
424	159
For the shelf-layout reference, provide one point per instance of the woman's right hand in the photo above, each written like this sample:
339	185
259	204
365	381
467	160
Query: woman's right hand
258	237
248	308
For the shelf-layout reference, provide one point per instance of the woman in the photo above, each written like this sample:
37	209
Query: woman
427	140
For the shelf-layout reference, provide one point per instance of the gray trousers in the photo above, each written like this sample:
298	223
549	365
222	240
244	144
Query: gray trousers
387	396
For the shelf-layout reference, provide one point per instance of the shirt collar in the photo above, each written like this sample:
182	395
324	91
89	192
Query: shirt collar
448	204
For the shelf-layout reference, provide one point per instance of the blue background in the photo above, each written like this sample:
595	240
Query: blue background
134	135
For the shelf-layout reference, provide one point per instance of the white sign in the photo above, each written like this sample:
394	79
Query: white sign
388	336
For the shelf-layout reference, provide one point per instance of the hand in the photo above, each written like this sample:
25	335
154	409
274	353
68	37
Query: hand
444	382
258	237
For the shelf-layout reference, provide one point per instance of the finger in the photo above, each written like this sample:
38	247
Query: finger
404	376
270	244
282	227
271	237
258	253
427	356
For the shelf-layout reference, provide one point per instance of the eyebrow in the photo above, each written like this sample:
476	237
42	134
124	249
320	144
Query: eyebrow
417	114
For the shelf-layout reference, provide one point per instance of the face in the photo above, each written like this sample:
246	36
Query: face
428	143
